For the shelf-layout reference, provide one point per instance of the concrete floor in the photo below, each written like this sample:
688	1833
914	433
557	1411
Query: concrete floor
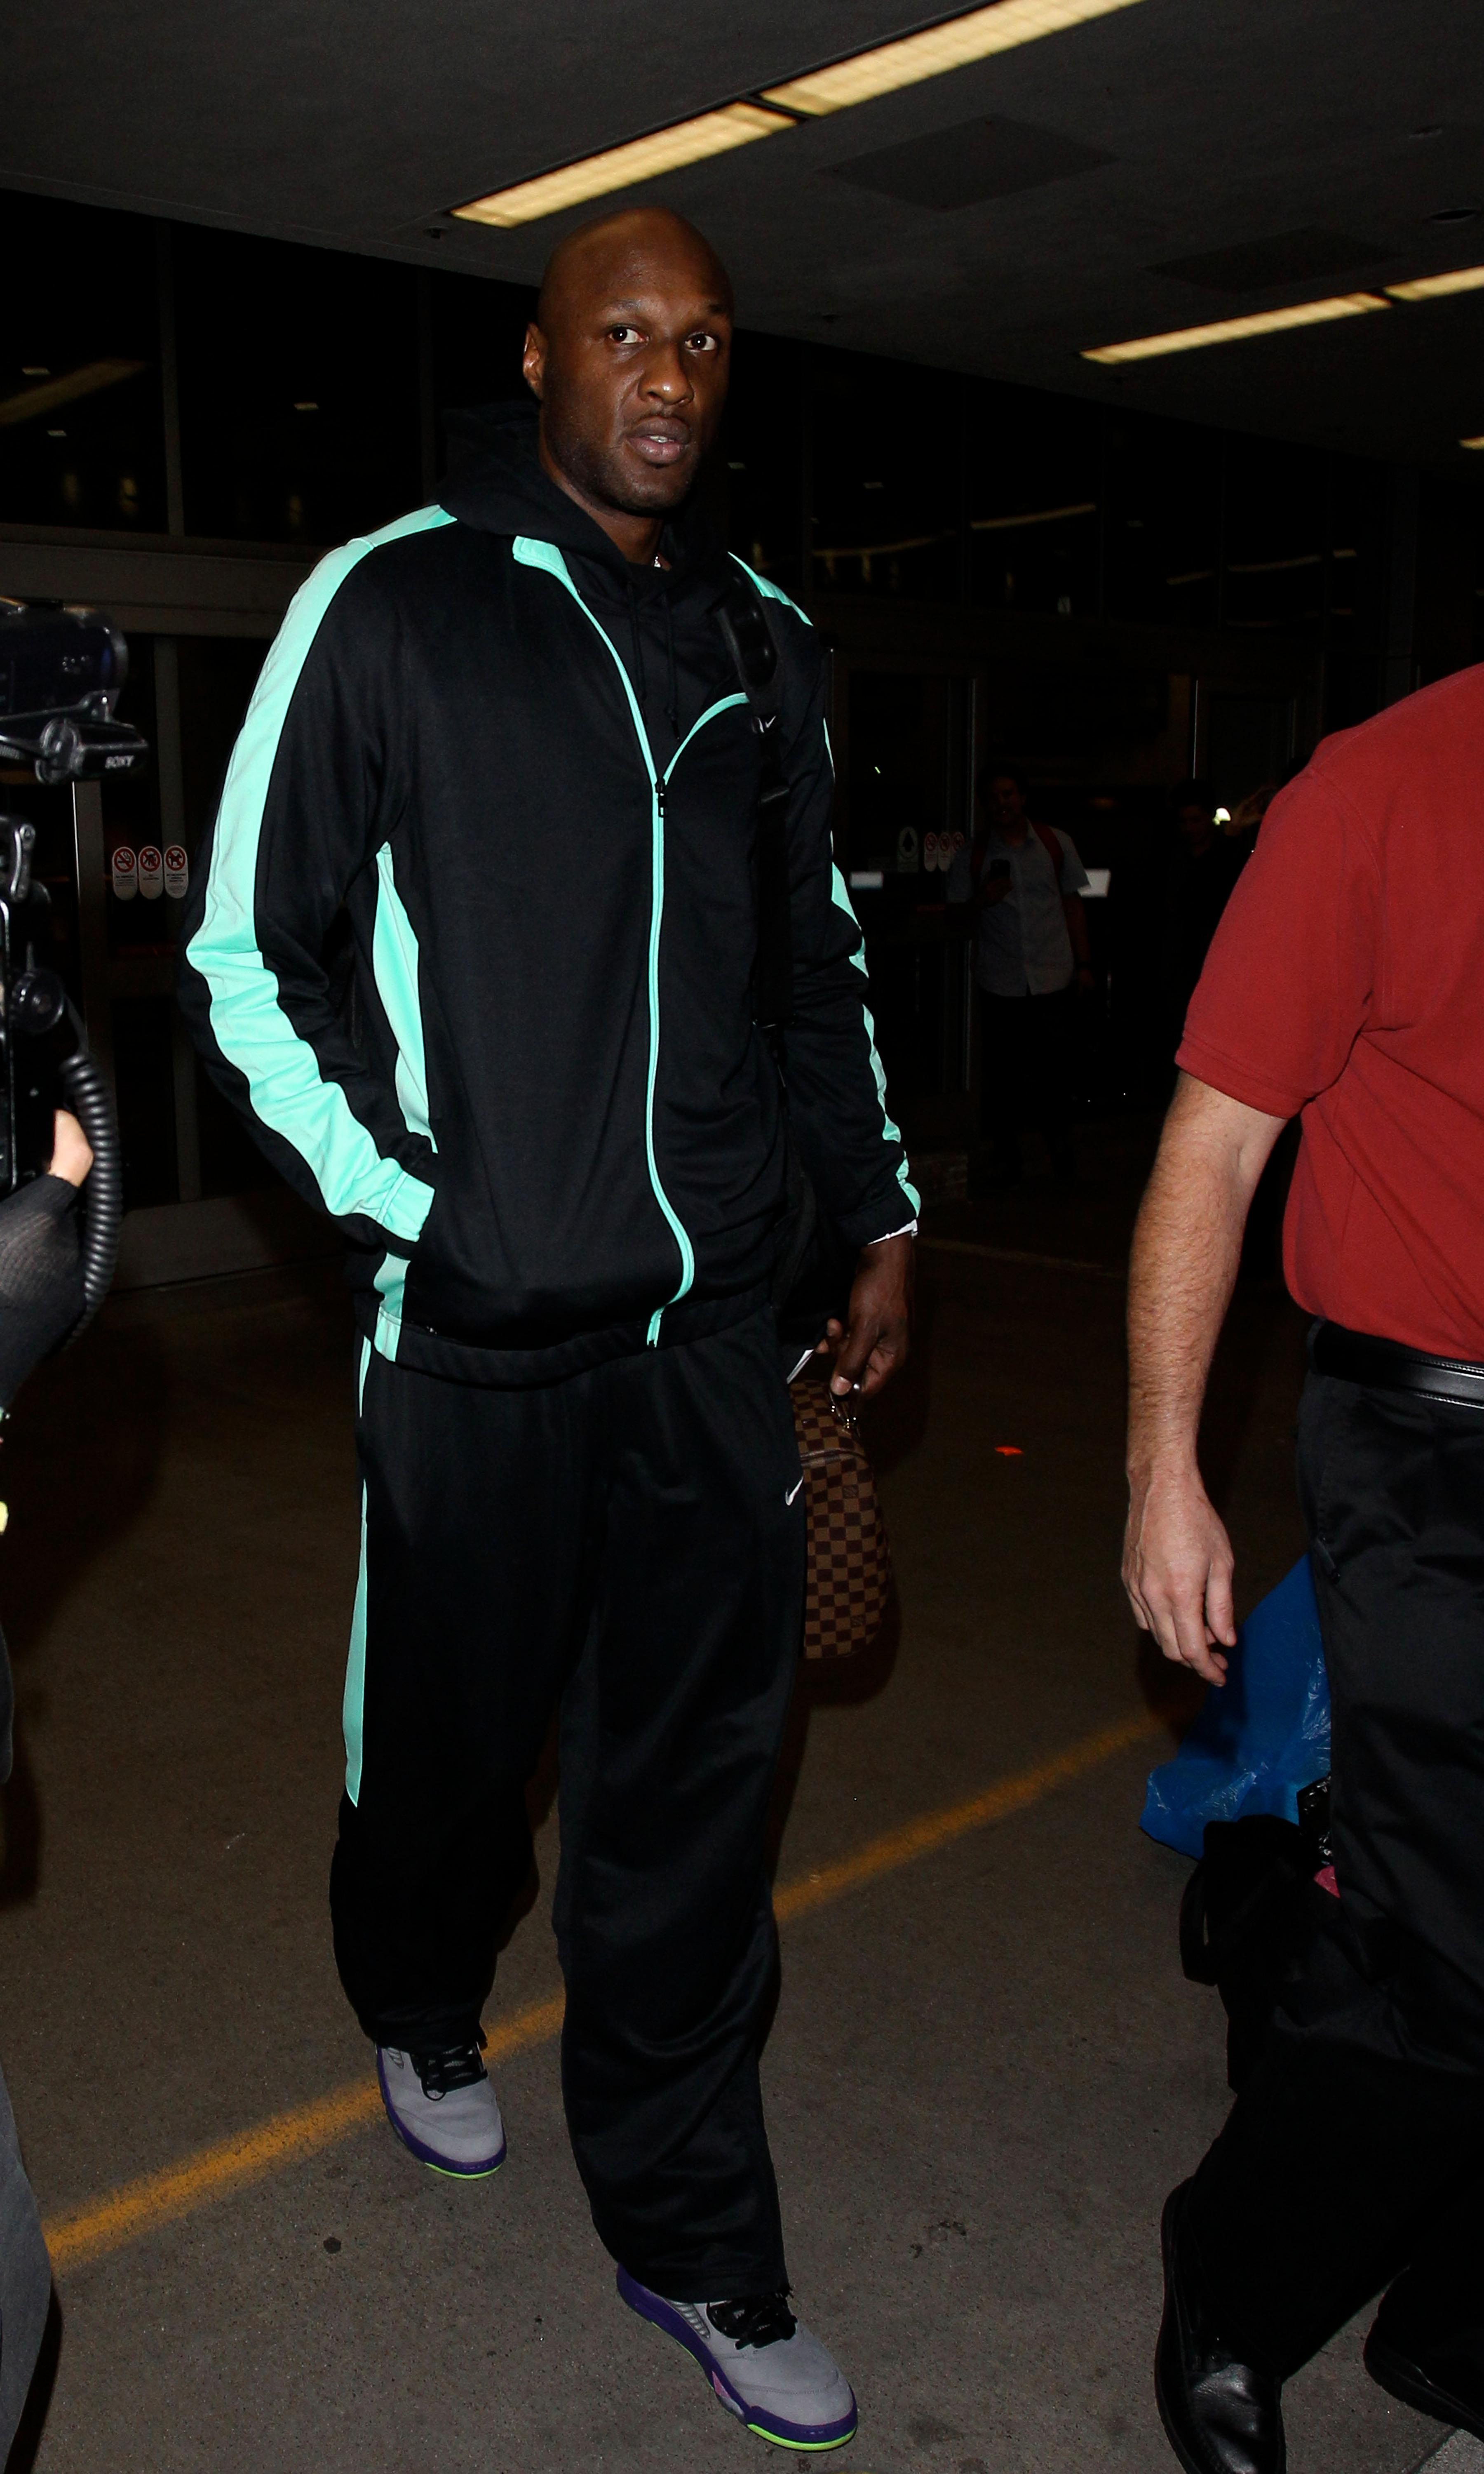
986	2069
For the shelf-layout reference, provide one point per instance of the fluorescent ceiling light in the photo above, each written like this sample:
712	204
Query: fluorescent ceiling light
1037	516
1435	287
1235	331
952	45
623	167
32	401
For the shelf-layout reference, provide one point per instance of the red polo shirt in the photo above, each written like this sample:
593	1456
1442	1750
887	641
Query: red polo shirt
1347	981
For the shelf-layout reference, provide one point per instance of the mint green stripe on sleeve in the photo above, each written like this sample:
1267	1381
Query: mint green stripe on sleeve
394	969
285	1086
890	1133
771	592
390	1283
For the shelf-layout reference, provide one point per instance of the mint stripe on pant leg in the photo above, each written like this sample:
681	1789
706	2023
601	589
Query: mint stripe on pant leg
473	1571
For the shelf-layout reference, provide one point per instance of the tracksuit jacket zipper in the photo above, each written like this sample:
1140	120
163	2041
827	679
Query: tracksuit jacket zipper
546	556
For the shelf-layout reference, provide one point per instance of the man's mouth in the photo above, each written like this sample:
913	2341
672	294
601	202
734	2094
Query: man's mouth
660	441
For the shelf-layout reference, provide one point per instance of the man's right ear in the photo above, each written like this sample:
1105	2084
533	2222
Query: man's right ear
533	360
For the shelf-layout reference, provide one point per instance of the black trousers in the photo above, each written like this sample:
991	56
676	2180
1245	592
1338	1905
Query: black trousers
629	1542
1360	2136
1027	1066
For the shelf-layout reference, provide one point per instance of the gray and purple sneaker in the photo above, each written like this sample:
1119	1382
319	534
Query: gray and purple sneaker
442	2107
763	2364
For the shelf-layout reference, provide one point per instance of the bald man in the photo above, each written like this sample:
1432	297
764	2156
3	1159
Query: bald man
506	737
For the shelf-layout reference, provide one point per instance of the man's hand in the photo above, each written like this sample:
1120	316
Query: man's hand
1177	1569
1177	1557
874	1346
71	1151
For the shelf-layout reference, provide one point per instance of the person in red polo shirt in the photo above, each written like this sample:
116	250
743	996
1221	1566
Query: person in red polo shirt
1345	985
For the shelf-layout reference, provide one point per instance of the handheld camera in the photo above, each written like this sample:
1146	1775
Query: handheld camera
61	672
45	1064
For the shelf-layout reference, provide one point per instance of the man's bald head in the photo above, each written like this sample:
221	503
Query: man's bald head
600	253
629	354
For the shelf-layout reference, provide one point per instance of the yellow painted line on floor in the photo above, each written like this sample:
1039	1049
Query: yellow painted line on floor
83	2234
136	2208
935	1830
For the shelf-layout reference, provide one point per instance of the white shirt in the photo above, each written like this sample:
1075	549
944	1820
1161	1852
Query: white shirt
1021	946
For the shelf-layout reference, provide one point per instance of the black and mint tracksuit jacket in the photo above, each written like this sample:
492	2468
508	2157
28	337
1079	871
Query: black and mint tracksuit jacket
526	772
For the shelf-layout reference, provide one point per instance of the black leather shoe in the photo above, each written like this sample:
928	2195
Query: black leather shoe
1448	2385
1221	2416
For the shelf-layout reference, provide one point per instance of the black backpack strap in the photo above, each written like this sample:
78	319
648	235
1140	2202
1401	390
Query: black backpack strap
745	632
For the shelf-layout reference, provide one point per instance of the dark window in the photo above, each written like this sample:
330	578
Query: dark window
144	1075
907	786
298	389
1163	545
1275	534
218	675
1100	709
761	450
886	510
81	434
1249	741
476	334
902	783
1358	511
1034	491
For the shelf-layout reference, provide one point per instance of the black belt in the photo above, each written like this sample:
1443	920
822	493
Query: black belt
1389	1365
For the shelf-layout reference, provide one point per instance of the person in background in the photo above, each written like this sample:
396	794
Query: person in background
41	1296
1022	883
1202	865
1343	985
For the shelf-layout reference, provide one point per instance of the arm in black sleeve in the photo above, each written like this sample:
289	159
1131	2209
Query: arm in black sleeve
311	794
41	1293
836	1088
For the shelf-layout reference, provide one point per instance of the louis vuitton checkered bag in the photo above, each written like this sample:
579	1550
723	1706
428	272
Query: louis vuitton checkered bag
849	1563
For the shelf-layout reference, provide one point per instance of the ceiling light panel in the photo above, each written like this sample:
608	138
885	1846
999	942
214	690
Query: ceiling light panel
1235	330
623	167
1437	287
952	45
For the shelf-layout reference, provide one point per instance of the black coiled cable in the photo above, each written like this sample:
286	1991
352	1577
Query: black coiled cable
102	1195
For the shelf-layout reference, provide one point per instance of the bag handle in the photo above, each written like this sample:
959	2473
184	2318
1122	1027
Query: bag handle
745	632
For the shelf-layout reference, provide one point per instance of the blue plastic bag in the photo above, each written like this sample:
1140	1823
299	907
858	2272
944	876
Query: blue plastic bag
1261	1736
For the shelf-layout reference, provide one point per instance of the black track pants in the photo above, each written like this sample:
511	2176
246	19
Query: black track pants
630	1540
1365	2115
